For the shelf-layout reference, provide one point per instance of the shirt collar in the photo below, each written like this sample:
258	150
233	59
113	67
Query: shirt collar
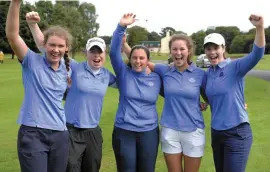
190	68
87	67
224	63
139	73
61	64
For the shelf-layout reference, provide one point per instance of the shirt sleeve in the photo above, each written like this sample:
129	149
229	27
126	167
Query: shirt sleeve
115	50
31	60
112	80
42	50
245	64
73	63
161	69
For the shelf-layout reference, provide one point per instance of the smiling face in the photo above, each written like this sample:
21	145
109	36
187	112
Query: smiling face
139	59
56	42
181	50
55	48
179	53
96	57
214	52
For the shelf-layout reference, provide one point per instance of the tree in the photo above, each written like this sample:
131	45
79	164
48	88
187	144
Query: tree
68	3
70	18
198	39
229	32
137	34
4	46
242	43
180	32
238	43
89	25
209	31
45	11
153	36
24	30
165	30
267	39
107	39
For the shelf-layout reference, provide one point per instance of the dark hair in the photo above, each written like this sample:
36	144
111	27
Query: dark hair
67	63
66	60
137	47
189	42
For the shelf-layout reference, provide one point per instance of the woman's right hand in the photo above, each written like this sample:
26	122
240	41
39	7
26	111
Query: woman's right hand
127	19
32	17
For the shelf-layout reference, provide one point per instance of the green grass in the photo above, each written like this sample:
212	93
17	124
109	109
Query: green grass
264	64
257	94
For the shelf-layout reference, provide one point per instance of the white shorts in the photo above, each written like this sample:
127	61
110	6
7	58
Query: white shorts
190	143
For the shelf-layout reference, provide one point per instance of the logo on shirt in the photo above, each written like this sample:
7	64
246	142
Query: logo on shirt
192	80
151	84
221	74
103	80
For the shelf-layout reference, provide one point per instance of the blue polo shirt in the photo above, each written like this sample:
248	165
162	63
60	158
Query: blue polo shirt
44	90
84	100
138	91
225	89
181	109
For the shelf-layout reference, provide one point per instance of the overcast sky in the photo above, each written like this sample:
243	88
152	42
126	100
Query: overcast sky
186	15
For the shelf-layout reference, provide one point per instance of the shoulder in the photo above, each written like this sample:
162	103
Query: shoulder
199	71
154	75
106	71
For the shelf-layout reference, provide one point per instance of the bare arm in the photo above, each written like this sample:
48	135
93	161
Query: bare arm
258	22
12	30
245	64
32	19
125	47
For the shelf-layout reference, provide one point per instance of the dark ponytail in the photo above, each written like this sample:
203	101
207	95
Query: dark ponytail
66	60
69	81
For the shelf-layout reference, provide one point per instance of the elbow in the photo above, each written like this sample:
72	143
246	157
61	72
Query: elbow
11	37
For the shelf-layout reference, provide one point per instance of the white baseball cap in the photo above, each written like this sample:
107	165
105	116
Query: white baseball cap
215	38
95	42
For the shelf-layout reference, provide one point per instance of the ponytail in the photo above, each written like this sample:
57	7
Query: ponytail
67	61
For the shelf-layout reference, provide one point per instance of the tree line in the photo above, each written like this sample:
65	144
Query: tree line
81	21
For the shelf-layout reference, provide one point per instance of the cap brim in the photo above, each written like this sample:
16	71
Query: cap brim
212	42
99	45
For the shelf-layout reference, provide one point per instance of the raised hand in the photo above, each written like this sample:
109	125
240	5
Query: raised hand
127	19
256	20
32	17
